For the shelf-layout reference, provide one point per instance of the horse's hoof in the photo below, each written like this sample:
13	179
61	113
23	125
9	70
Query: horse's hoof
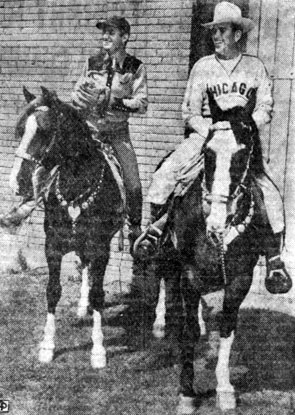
186	405
82	311
98	359
226	401
159	331
46	355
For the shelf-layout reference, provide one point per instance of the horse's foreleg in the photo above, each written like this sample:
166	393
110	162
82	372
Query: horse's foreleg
84	294
98	352
189	338
225	390
47	345
53	294
159	323
168	312
201	320
96	298
233	298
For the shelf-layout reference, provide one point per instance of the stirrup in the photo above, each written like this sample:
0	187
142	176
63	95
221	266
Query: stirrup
278	280
146	245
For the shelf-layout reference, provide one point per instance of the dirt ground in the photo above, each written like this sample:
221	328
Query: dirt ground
142	373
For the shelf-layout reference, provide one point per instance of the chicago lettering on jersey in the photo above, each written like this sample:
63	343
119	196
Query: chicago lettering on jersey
224	88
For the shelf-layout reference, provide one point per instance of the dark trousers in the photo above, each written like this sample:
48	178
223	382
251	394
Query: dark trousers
119	139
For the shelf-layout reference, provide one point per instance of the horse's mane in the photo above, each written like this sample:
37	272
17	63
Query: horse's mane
74	118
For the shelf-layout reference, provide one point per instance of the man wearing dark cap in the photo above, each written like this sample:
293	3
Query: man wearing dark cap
112	85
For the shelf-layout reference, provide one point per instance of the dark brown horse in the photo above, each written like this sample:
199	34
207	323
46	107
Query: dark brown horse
218	231
83	205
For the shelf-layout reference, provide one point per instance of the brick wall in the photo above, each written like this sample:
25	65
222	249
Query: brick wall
45	42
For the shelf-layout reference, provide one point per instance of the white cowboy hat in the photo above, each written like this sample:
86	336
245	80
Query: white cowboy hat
226	12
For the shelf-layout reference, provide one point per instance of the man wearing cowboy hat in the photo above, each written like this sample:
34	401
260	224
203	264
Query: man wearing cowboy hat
232	78
112	85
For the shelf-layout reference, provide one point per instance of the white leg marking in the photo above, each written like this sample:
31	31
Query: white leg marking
84	296
225	390
159	323
47	345
98	353
186	405
201	320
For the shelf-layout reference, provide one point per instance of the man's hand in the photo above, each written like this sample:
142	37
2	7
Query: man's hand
90	95
220	125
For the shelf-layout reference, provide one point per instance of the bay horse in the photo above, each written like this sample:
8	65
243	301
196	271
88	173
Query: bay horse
218	231
83	205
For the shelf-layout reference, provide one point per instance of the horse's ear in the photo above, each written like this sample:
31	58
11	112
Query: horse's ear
50	97
45	92
216	112
27	94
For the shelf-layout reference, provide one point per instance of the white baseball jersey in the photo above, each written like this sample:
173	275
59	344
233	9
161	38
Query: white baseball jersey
231	85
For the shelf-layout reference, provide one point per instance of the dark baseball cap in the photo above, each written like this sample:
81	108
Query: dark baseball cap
115	21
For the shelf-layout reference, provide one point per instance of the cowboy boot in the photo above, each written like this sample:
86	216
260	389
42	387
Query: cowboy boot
278	280
147	244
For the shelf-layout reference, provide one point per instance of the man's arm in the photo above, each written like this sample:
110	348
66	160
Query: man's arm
138	102
264	100
86	93
76	98
193	103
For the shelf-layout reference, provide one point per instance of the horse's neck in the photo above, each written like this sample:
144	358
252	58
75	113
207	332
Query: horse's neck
192	200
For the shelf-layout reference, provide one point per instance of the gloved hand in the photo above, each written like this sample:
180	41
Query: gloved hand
89	95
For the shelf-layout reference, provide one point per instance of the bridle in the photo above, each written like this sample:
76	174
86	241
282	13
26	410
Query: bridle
222	239
39	162
219	198
74	207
